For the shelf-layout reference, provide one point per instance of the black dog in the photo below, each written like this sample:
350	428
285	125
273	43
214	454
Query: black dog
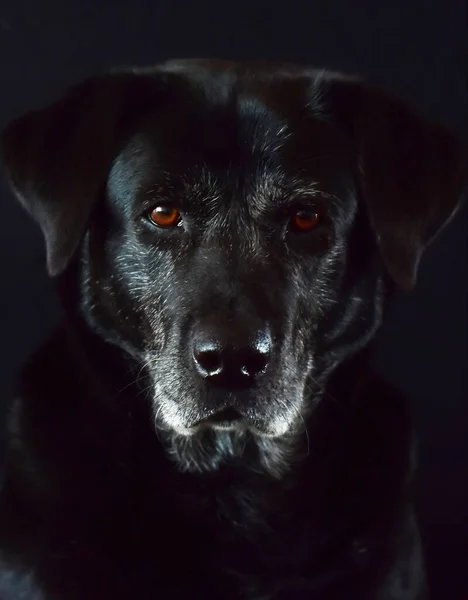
205	425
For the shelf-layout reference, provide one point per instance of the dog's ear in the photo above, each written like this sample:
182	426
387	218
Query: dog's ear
57	158
412	172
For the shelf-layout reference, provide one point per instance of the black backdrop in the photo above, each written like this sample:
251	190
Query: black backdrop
415	48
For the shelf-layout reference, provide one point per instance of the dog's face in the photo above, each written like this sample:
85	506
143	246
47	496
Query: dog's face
231	233
217	254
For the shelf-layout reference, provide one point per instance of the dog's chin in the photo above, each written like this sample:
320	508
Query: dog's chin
261	444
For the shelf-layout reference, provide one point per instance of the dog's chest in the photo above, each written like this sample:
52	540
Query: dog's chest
246	542
223	546
231	545
272	560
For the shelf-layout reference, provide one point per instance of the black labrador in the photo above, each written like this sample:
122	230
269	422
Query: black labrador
205	424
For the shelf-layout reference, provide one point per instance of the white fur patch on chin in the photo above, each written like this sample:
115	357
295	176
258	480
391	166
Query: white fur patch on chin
209	450
205	449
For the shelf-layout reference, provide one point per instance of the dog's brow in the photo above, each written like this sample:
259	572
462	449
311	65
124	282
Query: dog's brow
202	183
203	188
280	189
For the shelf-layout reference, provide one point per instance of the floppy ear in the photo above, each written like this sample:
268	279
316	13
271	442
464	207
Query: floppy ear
413	173
57	158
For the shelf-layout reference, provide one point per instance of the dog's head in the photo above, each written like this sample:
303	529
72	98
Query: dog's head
235	228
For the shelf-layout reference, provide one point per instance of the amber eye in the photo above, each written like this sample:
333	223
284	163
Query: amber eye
165	216
304	220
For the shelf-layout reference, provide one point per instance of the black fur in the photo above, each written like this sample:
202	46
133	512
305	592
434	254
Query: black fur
126	479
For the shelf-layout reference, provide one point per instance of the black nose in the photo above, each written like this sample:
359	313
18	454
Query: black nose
227	356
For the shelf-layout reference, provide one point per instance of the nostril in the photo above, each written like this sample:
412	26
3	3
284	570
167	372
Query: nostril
209	362
254	363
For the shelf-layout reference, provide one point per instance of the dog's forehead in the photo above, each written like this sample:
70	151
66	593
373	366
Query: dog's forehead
222	129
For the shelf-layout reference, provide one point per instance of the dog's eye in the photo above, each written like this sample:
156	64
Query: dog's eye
304	220
164	216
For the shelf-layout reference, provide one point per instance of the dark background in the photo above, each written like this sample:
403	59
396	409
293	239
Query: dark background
415	48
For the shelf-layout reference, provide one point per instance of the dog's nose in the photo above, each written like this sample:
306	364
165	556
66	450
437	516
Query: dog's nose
227	358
